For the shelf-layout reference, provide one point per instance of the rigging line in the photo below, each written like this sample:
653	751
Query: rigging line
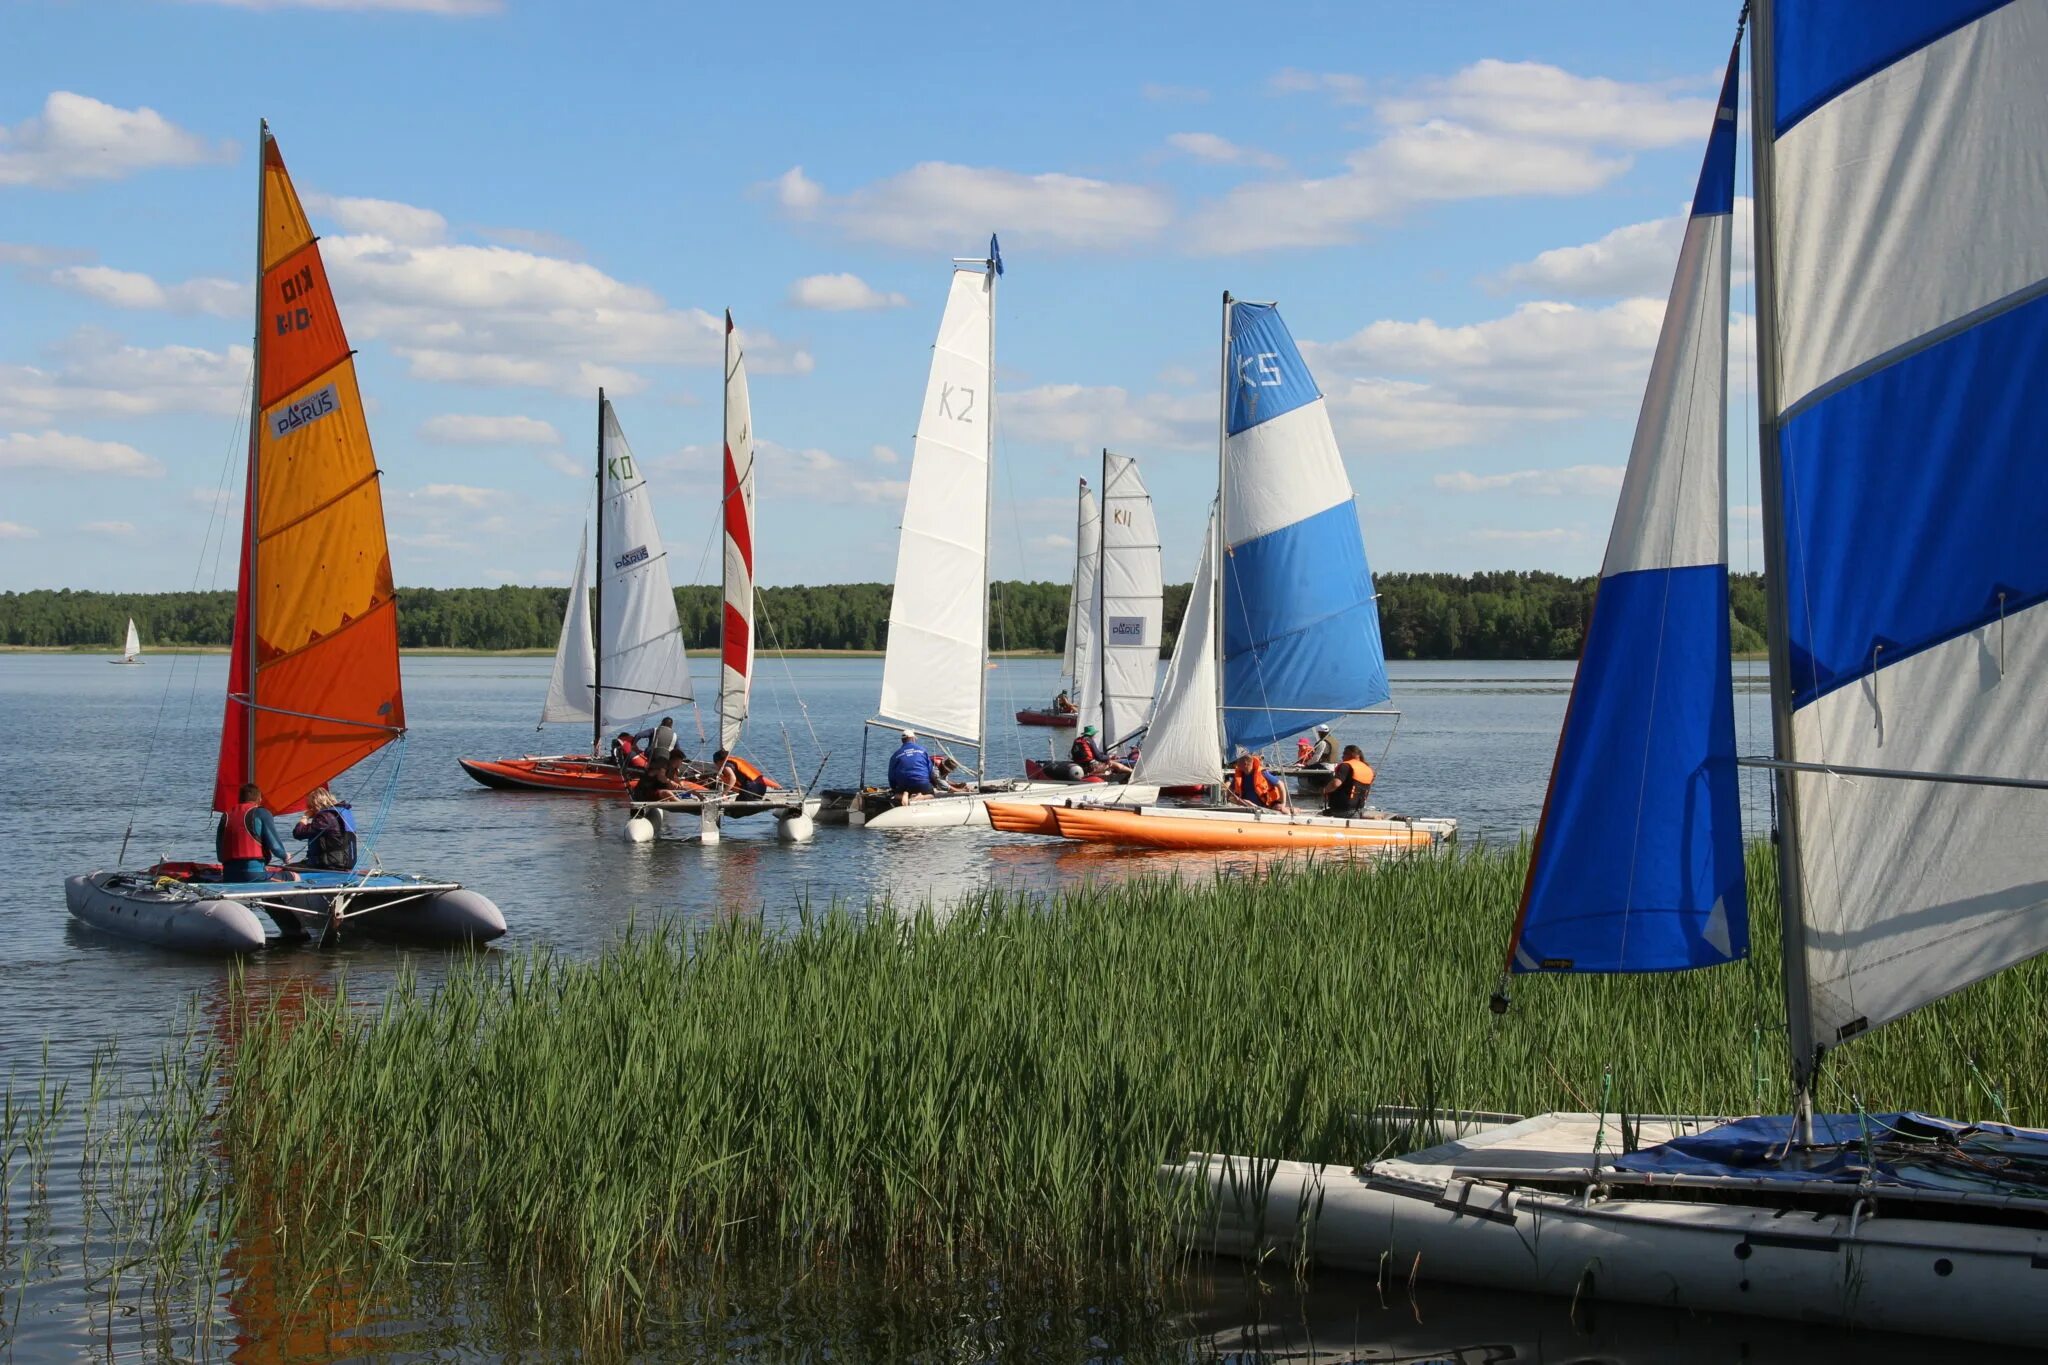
782	656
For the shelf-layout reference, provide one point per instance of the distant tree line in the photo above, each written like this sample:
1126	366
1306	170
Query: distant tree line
1422	616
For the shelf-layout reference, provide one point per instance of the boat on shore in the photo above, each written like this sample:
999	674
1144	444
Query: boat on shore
1902	311
313	674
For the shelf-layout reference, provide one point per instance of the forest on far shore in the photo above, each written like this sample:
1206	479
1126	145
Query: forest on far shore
1422	616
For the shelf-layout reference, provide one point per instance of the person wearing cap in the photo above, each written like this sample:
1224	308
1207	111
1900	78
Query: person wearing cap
1087	754
910	770
1324	752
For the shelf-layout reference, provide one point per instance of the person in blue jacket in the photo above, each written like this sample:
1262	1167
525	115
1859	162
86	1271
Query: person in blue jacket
910	769
329	829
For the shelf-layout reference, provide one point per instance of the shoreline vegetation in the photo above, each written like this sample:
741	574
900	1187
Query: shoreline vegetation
1422	616
922	1102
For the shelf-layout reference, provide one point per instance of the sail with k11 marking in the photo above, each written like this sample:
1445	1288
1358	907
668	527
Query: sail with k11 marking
643	666
1637	864
1301	624
1129	602
736	634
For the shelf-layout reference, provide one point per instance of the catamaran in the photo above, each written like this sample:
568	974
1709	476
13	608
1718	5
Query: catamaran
313	676
1087	545
935	665
131	648
1901	231
1282	628
638	667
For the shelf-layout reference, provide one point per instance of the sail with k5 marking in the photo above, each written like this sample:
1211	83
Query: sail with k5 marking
640	638
1908	236
313	682
572	685
1301	625
938	610
736	634
1637	864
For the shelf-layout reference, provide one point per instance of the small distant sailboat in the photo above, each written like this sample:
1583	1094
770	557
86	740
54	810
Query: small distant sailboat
1282	628
131	649
1901	189
1087	546
636	666
313	677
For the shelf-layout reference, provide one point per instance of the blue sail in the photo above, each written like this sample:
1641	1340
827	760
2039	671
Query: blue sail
1301	628
1638	860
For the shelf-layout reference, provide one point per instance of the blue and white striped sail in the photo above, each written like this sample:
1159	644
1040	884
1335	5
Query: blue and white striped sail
1301	629
1638	860
1910	229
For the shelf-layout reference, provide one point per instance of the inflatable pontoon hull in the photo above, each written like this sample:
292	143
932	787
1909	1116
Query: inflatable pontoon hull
230	917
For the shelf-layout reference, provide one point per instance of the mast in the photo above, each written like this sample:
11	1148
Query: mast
251	508
724	511
988	494
1222	534
1805	1054
597	619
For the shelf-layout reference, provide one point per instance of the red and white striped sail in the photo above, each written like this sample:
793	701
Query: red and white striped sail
736	638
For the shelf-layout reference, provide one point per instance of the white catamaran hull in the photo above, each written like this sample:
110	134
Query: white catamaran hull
970	810
1858	1263
229	918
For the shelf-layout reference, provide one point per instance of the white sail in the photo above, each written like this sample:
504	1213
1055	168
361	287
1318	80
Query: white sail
1087	696
570	686
1184	747
133	648
1086	512
1129	608
736	634
639	636
938	614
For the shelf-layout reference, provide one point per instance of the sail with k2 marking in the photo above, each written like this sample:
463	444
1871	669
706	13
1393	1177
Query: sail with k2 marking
1301	623
641	661
1637	864
736	633
313	683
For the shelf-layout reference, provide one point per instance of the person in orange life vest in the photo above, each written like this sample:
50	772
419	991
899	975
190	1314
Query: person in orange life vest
626	753
1063	705
246	838
1087	751
735	774
1249	784
1352	784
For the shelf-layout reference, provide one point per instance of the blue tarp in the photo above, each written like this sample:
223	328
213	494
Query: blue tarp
1911	1150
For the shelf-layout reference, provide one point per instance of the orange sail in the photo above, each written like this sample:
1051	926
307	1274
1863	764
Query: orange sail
313	680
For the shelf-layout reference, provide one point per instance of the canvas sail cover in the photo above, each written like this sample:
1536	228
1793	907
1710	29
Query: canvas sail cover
1638	859
645	668
1301	628
736	634
1087	696
1910	231
1128	631
313	677
1086	512
1184	747
572	685
132	646
938	612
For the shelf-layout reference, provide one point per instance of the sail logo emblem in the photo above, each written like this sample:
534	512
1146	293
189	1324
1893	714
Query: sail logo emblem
1266	365
949	395
630	558
289	418
1127	630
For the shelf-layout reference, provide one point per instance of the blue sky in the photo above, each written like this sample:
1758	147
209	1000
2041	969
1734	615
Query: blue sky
1467	211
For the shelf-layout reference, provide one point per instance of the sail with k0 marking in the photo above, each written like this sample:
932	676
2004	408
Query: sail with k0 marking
643	666
736	634
1637	864
313	684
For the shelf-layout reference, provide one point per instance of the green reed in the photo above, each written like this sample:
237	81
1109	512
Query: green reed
926	1098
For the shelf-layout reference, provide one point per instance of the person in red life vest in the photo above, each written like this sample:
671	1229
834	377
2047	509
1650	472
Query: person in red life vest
626	753
735	774
246	838
1087	752
1249	784
1352	784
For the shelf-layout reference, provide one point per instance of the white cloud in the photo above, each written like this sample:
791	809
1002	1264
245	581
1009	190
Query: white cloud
841	294
465	430
1173	94
881	454
1221	151
14	530
55	451
1341	87
131	289
787	473
404	223
108	528
457	495
24	253
1089	418
78	138
97	373
943	206
454	9
1637	259
534	239
1535	100
1578	481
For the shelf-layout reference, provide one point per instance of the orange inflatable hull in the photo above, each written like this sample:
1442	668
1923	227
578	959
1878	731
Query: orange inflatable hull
566	774
1012	818
1195	832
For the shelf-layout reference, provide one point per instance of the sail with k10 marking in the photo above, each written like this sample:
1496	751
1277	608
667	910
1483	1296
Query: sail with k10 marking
736	634
1637	864
642	664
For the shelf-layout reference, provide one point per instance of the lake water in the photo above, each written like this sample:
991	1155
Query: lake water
96	754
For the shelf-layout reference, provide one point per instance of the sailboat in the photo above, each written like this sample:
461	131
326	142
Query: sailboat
1902	292
638	665
131	649
794	811
1087	546
935	665
313	676
1282	628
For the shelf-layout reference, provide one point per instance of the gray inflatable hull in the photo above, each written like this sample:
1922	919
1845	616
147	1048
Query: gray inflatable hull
183	917
458	916
166	919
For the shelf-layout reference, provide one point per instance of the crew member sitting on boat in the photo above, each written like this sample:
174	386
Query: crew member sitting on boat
664	781
1351	785
329	829
910	770
1323	753
661	742
1087	752
943	768
626	753
735	774
246	838
1249	784
1063	705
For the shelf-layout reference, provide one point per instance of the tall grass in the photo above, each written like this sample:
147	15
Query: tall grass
929	1099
